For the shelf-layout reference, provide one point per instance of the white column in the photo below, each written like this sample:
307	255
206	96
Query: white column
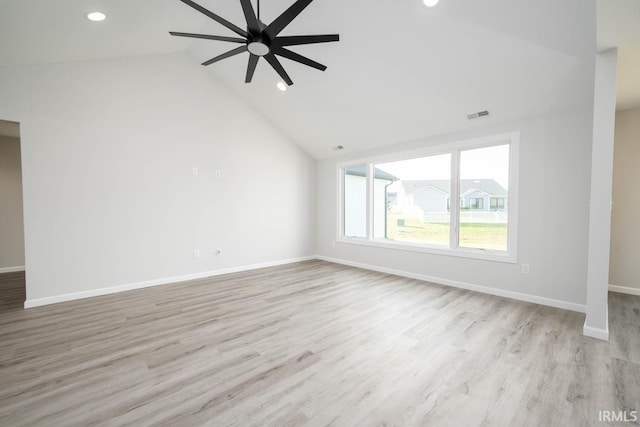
596	324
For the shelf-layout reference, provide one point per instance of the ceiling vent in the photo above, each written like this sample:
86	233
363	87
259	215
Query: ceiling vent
477	115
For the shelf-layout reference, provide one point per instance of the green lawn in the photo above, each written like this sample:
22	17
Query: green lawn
487	236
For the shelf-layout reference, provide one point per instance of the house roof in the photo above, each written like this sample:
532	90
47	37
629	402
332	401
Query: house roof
361	171
489	186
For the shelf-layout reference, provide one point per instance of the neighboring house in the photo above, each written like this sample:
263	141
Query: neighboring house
433	196
355	200
483	195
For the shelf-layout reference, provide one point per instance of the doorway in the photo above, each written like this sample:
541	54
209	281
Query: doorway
12	259
624	268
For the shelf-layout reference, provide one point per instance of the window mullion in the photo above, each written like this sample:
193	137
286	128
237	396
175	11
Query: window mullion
370	188
454	220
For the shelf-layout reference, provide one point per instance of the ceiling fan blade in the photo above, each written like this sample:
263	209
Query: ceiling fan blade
216	18
226	55
251	68
285	19
297	40
298	58
250	16
271	59
208	37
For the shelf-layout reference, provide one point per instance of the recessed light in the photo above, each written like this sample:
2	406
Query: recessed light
430	3
96	16
282	86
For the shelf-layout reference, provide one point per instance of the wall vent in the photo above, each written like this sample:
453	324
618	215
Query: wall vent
477	115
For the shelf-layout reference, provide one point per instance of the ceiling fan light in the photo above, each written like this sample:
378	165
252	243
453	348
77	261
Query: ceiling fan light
430	3
258	48
282	86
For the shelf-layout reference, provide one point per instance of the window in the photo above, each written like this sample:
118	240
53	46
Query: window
484	170
476	203
355	201
419	213
404	201
497	203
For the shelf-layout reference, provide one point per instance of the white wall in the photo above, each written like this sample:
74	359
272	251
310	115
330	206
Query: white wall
11	226
625	234
604	117
109	197
555	162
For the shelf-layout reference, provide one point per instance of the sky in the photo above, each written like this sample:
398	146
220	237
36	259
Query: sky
480	163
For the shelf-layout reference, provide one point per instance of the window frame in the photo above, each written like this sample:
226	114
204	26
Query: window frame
498	206
453	148
476	203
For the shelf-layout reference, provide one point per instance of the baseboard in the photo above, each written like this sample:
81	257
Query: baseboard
624	290
601	334
565	305
31	303
11	269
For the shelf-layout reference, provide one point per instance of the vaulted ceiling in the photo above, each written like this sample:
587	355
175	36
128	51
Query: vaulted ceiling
400	72
619	26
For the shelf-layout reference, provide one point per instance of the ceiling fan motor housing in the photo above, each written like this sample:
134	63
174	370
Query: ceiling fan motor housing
258	43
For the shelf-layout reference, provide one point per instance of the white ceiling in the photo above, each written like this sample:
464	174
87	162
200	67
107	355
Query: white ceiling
400	71
619	26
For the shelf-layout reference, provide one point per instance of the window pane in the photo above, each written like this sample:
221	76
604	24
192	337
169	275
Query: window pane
411	200
355	201
484	193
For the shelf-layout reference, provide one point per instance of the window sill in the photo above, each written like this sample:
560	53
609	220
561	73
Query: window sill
481	254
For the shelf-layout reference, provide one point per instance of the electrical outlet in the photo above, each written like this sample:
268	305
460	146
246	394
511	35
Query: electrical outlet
525	269
195	171
219	251
218	173
196	253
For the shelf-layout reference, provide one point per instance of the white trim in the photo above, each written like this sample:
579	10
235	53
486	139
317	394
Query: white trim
416	247
30	303
598	333
340	202
565	305
601	334
454	149
624	290
454	203
433	150
447	282
513	195
370	188
12	269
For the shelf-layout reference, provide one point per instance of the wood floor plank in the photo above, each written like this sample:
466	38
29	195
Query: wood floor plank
12	290
310	344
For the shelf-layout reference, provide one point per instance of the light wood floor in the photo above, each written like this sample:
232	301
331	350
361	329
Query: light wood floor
315	344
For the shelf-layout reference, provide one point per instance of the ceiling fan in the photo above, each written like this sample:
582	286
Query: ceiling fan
262	40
